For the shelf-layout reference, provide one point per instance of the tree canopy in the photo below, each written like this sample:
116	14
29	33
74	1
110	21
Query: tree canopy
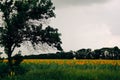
16	27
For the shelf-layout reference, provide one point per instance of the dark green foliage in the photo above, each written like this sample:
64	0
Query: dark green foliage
83	53
65	55
3	70
97	54
58	55
20	70
109	53
116	52
17	70
103	53
17	59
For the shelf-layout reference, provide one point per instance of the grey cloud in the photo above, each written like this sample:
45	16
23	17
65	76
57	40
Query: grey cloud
115	26
66	3
94	26
113	20
115	29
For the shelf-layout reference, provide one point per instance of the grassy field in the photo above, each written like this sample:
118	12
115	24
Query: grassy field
40	69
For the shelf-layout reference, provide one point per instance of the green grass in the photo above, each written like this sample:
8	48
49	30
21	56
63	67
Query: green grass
68	72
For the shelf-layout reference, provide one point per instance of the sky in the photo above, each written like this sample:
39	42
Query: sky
88	23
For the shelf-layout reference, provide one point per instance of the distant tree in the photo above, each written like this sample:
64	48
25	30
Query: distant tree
116	52
97	54
82	53
16	16
69	55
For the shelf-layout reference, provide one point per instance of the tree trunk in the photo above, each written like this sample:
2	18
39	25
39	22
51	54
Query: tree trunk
10	63
9	60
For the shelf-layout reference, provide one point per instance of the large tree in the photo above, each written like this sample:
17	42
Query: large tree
16	16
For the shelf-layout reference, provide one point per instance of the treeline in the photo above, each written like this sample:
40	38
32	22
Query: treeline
103	53
58	55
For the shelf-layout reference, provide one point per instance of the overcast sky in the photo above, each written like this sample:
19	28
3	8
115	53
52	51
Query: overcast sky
88	23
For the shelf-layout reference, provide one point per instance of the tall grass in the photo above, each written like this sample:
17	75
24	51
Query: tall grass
54	71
